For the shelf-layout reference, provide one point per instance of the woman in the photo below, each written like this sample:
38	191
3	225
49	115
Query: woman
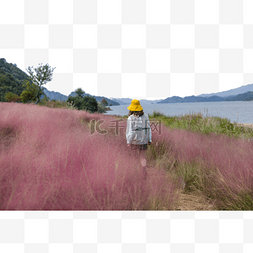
138	132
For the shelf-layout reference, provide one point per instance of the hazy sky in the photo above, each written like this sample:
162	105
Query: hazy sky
138	49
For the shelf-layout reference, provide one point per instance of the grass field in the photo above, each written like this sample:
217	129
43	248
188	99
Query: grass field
50	159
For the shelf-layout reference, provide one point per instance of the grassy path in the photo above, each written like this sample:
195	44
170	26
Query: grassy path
192	202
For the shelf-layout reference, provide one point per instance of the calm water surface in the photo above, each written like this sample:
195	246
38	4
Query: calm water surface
240	111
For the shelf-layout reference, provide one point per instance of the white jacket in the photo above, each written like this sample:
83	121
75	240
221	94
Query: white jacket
138	129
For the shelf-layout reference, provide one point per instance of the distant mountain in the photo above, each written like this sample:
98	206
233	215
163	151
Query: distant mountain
248	96
127	101
122	101
58	96
230	95
54	95
156	101
109	101
174	99
118	100
232	92
212	97
191	99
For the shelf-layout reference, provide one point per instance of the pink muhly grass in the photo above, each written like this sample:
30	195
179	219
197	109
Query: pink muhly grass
56	164
224	164
221	166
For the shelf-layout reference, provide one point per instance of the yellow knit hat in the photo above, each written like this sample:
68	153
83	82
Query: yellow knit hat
135	106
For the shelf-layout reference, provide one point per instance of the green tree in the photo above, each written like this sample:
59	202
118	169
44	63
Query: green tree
89	103
104	102
40	76
81	102
77	101
79	92
30	92
27	96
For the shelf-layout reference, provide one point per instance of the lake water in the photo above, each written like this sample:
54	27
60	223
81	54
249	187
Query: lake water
236	111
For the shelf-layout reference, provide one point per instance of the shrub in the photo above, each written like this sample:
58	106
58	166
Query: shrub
86	103
10	97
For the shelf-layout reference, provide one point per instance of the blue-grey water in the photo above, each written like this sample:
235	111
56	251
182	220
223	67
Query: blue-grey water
236	111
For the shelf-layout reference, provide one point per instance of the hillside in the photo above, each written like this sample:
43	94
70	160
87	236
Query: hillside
12	69
11	79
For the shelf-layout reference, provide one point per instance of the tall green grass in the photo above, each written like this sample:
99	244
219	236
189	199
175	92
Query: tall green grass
205	125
